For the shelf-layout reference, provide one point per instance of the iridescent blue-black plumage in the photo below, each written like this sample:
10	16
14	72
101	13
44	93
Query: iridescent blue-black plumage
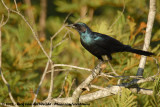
100	44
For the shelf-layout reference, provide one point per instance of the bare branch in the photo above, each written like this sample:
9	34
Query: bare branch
3	78
40	83
58	70
1	73
104	92
62	90
9	89
121	77
78	91
15	3
66	18
70	87
71	66
119	15
151	17
51	50
52	71
34	33
63	26
60	41
112	68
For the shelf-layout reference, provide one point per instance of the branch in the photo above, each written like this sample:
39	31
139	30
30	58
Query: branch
103	92
151	17
62	90
46	68
71	66
34	33
119	15
51	51
84	85
1	73
137	81
40	83
52	71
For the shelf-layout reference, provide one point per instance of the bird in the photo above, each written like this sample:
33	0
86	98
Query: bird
101	45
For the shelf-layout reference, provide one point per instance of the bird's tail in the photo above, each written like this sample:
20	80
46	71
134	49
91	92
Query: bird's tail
140	52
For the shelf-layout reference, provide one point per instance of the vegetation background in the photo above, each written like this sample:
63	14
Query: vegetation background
23	62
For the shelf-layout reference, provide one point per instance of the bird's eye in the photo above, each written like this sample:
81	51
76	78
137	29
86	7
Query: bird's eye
80	28
83	29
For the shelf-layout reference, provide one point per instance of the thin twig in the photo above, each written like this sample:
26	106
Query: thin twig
51	50
118	82
71	66
40	83
9	90
62	90
119	15
57	70
62	27
67	17
60	43
70	87
112	68
8	14
52	71
111	76
2	20
34	33
52	81
158	71
1	73
4	5
15	3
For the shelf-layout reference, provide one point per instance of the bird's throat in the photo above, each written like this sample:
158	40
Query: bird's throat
86	38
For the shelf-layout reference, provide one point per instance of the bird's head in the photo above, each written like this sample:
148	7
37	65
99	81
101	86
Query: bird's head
80	27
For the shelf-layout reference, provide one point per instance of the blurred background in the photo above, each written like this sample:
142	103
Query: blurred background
23	61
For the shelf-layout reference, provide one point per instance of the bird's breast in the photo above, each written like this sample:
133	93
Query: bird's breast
87	40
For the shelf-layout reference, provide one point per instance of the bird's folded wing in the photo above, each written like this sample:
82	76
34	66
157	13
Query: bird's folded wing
108	43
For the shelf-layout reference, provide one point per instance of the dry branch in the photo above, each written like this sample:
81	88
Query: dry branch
2	23
29	25
105	92
150	22
84	85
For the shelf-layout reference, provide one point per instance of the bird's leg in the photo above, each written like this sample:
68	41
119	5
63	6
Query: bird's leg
105	58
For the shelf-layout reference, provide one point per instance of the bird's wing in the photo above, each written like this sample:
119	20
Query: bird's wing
108	43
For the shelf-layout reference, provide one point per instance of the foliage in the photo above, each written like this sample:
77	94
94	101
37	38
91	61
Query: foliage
155	98
125	98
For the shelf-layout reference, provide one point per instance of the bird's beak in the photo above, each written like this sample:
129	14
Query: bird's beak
71	25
